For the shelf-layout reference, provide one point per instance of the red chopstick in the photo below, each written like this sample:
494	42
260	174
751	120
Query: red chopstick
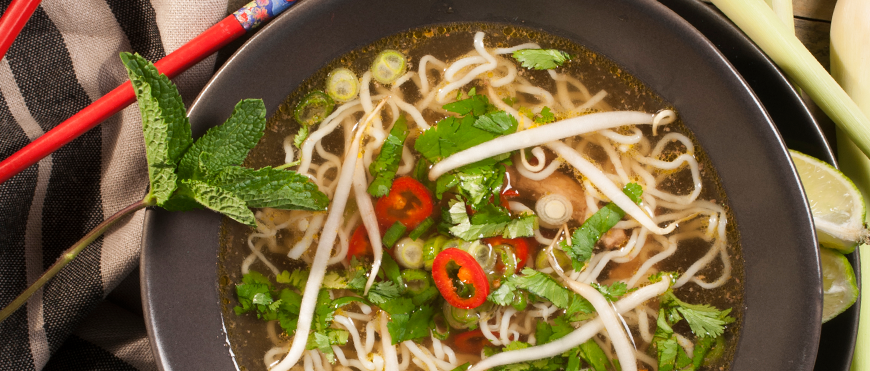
13	20
230	28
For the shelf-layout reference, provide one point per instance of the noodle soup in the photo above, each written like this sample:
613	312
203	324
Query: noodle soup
543	219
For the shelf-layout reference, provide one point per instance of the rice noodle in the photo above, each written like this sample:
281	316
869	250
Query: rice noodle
607	187
370	221
490	65
538	136
324	247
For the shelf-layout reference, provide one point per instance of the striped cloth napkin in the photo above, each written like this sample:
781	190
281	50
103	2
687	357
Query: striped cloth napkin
89	316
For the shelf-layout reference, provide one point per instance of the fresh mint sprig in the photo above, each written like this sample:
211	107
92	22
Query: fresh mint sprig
186	175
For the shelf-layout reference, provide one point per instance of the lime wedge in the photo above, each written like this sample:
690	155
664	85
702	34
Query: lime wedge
838	283
837	205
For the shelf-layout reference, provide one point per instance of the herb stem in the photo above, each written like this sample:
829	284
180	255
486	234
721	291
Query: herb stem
70	254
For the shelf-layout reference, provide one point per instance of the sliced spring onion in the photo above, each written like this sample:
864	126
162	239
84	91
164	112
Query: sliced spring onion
460	318
553	210
388	66
508	259
416	280
542	261
342	85
431	249
408	253
313	108
421	229
393	234
440	328
521	301
481	252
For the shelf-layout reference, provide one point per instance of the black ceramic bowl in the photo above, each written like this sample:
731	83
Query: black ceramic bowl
782	291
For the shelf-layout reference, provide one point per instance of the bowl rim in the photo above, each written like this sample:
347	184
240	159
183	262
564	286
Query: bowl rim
168	347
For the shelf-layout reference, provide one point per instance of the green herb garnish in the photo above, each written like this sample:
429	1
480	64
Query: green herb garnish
385	166
541	59
584	238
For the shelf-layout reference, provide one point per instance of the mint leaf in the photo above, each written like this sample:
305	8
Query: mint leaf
541	59
218	199
449	136
227	144
385	166
164	124
268	187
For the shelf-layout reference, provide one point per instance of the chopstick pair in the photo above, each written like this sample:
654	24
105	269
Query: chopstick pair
230	28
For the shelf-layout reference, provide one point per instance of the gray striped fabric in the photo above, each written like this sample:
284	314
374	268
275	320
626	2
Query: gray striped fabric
65	58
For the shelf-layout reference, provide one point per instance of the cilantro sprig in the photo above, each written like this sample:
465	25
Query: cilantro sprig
185	174
705	321
541	59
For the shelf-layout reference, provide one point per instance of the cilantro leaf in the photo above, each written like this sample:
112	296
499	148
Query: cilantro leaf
614	291
561	326
356	275
227	144
541	59
301	135
324	340
382	292
462	226
385	166
297	278
334	281
400	305
268	187
543	332
499	122
218	199
546	116
594	355
548	288
474	104
164	124
704	320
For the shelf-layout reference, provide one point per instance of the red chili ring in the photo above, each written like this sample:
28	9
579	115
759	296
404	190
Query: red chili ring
470	272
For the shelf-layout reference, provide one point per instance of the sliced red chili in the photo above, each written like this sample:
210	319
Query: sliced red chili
505	195
519	245
408	202
455	264
471	341
359	245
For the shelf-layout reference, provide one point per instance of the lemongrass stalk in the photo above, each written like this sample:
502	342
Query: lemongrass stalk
759	22
850	66
784	11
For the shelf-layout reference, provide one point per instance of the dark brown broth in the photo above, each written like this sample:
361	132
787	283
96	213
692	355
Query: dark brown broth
247	334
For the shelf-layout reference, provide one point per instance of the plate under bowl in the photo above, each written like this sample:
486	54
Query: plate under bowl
782	291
